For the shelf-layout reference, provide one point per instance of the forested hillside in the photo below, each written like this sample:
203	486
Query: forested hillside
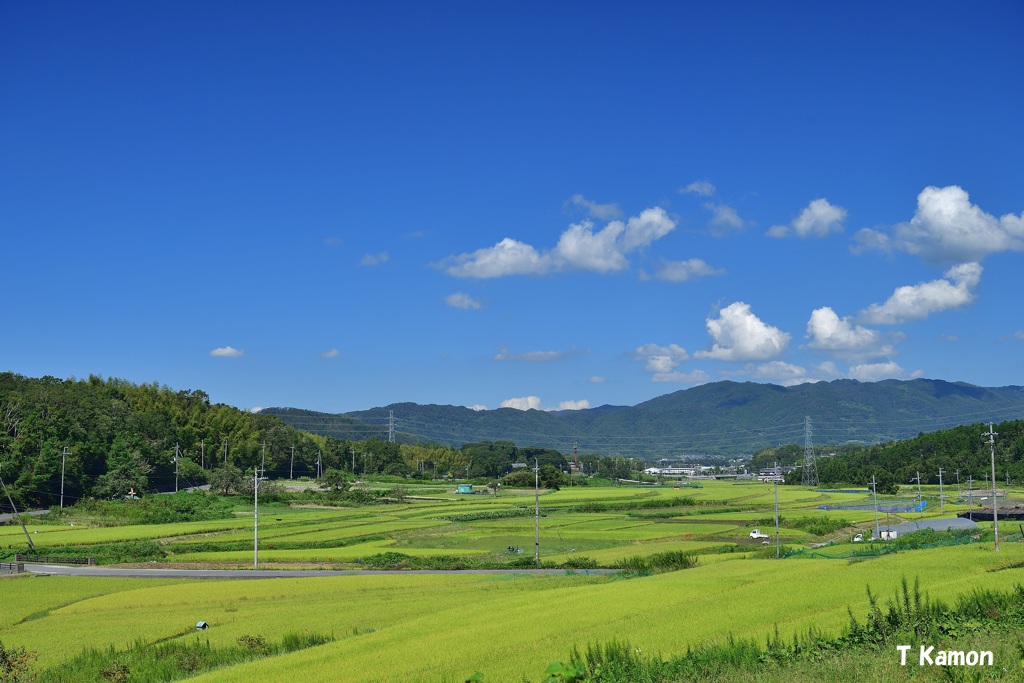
111	437
962	453
118	436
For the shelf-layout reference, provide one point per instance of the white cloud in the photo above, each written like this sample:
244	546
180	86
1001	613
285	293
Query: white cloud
533	356
255	410
578	248
947	228
741	336
872	372
374	259
699	187
818	219
604	212
596	379
524	403
660	359
574	405
1019	335
227	352
829	332
682	271
507	257
581	248
912	302
695	377
781	372
462	300
333	353
477	407
724	218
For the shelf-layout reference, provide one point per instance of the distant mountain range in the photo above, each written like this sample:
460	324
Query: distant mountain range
723	419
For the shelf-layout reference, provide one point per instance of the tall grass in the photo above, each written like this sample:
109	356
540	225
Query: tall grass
172	660
910	617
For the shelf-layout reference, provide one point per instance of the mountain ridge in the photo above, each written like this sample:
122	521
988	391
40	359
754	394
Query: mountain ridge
724	419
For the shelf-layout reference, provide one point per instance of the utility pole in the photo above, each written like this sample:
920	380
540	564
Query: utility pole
263	462
536	511
920	507
225	452
776	512
63	457
319	464
874	492
177	452
940	489
291	468
970	489
202	453
256	479
995	514
958	494
353	462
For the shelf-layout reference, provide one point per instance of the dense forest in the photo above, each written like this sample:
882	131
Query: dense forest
962	453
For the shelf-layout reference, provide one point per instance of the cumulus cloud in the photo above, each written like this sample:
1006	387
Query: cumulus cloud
596	379
580	247
872	372
374	259
699	187
829	332
818	219
477	407
462	300
660	359
724	219
227	352
661	362
604	212
913	302
574	405
695	377
780	372
947	228
741	336
682	271
533	356
333	353
524	403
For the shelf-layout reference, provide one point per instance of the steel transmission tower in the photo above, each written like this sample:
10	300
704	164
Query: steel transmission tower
810	468
391	426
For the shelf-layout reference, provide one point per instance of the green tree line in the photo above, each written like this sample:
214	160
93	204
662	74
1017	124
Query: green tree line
962	452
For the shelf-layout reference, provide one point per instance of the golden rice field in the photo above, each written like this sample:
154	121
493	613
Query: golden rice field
445	627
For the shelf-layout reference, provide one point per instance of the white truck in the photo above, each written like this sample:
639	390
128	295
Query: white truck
756	533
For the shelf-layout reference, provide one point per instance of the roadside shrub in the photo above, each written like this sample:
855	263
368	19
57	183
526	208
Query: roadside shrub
580	562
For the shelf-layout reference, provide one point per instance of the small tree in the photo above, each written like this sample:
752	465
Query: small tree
334	479
225	479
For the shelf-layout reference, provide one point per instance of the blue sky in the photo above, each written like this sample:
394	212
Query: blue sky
337	206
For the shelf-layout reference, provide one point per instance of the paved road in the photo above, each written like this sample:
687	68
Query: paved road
157	573
34	513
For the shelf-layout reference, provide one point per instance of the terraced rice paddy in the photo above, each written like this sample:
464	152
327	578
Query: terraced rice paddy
444	627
